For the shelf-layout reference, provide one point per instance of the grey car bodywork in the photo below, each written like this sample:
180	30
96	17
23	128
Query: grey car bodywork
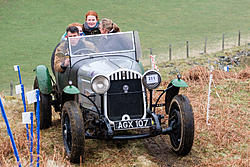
111	61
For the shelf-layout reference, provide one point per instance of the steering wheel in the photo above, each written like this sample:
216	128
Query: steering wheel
83	51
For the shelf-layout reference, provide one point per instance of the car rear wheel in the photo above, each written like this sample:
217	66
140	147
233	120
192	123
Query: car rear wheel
73	131
181	119
45	108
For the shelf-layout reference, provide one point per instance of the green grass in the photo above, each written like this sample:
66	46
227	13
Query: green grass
30	29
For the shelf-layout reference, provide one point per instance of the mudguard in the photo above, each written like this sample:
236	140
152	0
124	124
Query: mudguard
179	83
71	89
44	79
173	90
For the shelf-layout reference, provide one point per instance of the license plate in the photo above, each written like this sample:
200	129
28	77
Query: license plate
132	124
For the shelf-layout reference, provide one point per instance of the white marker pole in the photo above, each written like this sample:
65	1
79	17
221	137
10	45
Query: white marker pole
153	63
209	91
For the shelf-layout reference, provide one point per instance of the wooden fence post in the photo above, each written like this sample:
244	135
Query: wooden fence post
187	49
205	46
223	36
170	56
11	88
239	39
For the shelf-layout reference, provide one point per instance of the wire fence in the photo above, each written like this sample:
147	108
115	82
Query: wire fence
194	48
179	50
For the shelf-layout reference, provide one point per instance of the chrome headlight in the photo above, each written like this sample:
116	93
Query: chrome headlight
151	79
100	84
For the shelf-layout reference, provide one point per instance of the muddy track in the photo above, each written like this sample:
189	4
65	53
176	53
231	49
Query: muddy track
160	148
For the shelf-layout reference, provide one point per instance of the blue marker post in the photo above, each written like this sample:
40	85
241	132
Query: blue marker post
38	125
23	98
31	139
24	106
10	133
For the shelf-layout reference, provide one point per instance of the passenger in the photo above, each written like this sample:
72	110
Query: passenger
78	25
108	26
112	42
91	24
61	61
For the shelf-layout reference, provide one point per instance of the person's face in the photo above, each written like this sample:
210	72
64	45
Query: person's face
80	30
91	21
103	30
74	40
70	34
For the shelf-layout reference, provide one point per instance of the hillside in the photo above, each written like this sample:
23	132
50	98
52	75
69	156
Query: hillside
222	143
30	29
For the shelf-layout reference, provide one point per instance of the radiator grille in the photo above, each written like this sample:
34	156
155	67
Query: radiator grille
120	102
124	75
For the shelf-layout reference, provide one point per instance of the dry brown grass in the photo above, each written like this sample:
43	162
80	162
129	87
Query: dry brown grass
13	108
225	141
222	143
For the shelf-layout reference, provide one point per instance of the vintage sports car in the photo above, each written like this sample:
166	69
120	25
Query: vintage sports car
105	94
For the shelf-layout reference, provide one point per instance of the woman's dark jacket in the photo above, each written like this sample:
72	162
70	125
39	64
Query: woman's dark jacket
91	31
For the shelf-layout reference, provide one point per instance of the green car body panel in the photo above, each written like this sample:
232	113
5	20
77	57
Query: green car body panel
44	79
179	83
71	89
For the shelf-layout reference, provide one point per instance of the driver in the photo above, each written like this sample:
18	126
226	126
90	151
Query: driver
62	61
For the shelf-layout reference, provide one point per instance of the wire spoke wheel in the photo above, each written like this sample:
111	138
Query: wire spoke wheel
181	119
73	131
67	134
176	135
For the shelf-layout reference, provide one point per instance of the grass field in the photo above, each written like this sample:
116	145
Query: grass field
30	29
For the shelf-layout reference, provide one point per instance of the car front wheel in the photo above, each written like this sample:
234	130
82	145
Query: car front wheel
181	118
73	131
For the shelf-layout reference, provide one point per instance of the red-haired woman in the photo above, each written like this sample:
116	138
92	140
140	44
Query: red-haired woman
91	23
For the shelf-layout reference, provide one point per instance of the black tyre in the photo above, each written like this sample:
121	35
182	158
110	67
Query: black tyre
181	118
45	108
73	131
